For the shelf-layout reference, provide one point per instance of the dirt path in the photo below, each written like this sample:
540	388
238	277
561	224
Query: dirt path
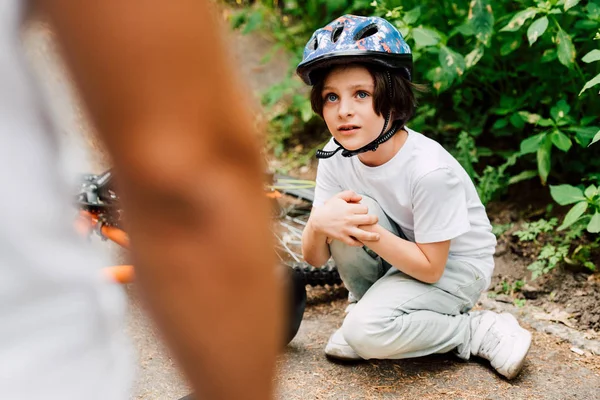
552	370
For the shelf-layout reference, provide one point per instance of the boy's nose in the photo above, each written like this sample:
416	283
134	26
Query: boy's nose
346	109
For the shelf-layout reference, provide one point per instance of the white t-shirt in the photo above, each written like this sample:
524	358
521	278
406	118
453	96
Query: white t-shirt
61	323
424	190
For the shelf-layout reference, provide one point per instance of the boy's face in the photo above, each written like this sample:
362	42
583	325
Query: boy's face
348	107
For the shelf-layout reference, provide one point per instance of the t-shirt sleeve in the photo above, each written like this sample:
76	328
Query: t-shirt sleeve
439	207
327	186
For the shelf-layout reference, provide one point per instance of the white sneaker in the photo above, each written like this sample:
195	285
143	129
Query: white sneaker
499	339
338	348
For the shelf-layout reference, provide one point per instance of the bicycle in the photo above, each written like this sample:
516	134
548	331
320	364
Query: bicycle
100	213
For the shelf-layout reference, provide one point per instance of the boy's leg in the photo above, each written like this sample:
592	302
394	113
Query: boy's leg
360	267
400	317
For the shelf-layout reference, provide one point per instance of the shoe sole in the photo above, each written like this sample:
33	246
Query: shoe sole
342	354
520	351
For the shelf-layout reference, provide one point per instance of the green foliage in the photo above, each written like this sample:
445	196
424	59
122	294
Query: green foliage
557	245
514	93
511	288
548	259
531	230
501	229
586	205
520	302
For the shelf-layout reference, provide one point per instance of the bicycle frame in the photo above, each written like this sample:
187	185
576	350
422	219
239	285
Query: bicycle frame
87	223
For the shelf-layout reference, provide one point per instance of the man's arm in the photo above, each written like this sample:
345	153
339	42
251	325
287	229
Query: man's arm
159	90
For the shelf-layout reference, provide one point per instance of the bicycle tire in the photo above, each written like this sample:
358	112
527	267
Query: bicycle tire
296	303
327	275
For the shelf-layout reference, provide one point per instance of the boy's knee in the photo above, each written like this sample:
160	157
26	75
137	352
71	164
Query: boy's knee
366	336
373	205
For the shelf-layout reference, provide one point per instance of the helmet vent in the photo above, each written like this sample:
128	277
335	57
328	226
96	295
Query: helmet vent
313	44
367	31
335	35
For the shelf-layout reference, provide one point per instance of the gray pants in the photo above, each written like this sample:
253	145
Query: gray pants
398	316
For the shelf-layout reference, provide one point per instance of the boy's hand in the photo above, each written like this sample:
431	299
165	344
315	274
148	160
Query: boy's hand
340	217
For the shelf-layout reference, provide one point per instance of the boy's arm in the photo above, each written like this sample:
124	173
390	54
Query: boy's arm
159	90
339	218
315	249
424	262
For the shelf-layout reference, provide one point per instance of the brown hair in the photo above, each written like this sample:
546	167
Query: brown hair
402	103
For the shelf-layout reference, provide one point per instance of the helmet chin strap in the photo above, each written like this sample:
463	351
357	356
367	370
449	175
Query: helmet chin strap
383	136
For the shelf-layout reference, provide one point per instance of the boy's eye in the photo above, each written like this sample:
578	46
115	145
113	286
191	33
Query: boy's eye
331	97
362	95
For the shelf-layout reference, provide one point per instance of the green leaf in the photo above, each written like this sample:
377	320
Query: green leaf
440	78
555	11
593	10
560	111
544	160
585	24
481	18
474	56
561	141
537	29
517	121
566	50
583	134
510	46
596	138
532	144
425	37
573	215
519	19
523	176
545	122
529	117
570	4
590	192
549	55
499	124
410	17
452	62
594	225
464	29
566	194
588	120
591	83
592	56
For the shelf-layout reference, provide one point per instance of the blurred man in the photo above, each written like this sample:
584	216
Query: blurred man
158	88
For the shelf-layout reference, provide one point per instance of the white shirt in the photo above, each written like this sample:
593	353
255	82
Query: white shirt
423	189
61	323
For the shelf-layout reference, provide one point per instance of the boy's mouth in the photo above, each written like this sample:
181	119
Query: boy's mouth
348	128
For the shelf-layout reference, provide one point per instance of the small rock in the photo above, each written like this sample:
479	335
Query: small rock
530	292
577	350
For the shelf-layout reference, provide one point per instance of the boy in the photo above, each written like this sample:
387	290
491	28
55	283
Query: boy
398	214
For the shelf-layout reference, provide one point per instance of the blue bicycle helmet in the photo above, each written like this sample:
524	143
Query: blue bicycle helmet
351	38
